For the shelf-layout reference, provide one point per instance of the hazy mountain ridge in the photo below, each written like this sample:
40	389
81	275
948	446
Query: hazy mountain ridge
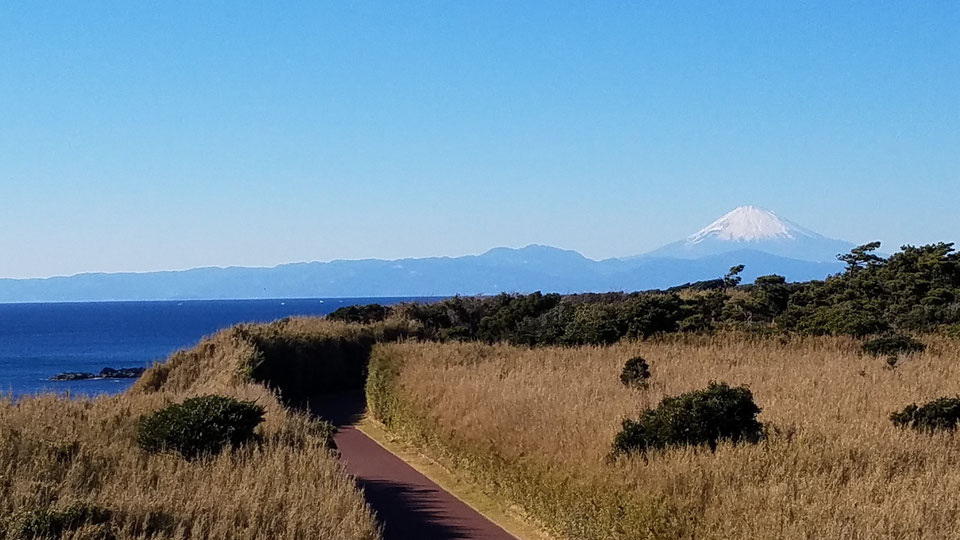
757	238
518	270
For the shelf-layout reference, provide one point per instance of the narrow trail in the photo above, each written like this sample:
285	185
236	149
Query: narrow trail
411	506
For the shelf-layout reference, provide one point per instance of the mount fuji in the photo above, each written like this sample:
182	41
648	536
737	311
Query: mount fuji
756	238
756	229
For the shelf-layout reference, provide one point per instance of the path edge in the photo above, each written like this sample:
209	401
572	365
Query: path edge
510	519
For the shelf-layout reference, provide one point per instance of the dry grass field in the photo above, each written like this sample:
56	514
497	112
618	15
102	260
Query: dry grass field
535	426
57	452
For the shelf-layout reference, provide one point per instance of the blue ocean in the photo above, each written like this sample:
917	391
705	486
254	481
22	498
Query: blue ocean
39	341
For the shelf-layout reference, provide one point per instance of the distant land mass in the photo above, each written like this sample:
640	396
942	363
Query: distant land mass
751	236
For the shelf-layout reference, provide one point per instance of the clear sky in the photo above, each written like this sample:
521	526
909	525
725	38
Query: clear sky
165	135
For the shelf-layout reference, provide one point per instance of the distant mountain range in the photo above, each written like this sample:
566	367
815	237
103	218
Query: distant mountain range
751	236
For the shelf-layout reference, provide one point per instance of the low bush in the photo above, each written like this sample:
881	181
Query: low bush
938	415
951	330
892	345
363	314
706	416
51	523
636	373
200	426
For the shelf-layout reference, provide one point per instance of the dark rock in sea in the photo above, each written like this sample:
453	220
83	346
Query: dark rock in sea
122	373
73	377
105	373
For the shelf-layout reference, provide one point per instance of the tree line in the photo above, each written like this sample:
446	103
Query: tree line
913	290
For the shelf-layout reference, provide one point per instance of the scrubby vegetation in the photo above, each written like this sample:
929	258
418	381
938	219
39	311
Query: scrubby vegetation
61	459
914	290
636	373
938	415
91	522
534	427
293	351
892	345
701	417
200	426
361	314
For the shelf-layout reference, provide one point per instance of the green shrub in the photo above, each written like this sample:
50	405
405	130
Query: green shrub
593	324
200	426
706	416
694	323
844	319
381	389
892	345
365	314
635	373
938	415
50	523
952	330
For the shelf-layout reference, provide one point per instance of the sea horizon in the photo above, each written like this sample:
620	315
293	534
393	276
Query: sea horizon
39	340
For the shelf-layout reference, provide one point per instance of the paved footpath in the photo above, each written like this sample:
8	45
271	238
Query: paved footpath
411	506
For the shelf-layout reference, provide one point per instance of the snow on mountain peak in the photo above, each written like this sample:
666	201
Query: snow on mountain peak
755	229
751	224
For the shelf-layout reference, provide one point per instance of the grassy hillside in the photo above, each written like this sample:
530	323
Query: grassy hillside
73	464
535	427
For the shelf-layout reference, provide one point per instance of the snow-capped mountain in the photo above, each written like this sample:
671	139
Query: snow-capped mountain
753	228
751	236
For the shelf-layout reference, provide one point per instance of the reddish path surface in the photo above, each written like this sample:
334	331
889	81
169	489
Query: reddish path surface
410	506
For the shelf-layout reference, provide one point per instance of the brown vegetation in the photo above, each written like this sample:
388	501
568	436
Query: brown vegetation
57	452
535	426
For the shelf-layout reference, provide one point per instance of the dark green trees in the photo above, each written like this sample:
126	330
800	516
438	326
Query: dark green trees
732	279
702	417
365	314
636	373
860	256
914	290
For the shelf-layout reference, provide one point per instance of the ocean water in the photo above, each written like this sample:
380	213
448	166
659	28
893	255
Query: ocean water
38	341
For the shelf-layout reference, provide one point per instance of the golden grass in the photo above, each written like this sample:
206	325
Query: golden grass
535	427
55	451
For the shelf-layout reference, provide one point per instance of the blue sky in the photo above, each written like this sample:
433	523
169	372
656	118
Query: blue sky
163	135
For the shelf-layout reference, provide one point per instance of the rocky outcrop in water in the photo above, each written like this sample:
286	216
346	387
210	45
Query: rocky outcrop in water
105	373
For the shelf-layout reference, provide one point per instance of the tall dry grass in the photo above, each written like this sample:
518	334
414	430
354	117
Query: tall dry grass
56	451
535	426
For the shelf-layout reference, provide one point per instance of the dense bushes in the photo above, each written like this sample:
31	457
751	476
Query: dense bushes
892	345
917	289
363	314
200	426
301	364
52	523
707	416
549	319
635	373
938	415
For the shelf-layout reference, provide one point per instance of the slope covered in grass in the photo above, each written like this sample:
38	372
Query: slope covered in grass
536	427
58	455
